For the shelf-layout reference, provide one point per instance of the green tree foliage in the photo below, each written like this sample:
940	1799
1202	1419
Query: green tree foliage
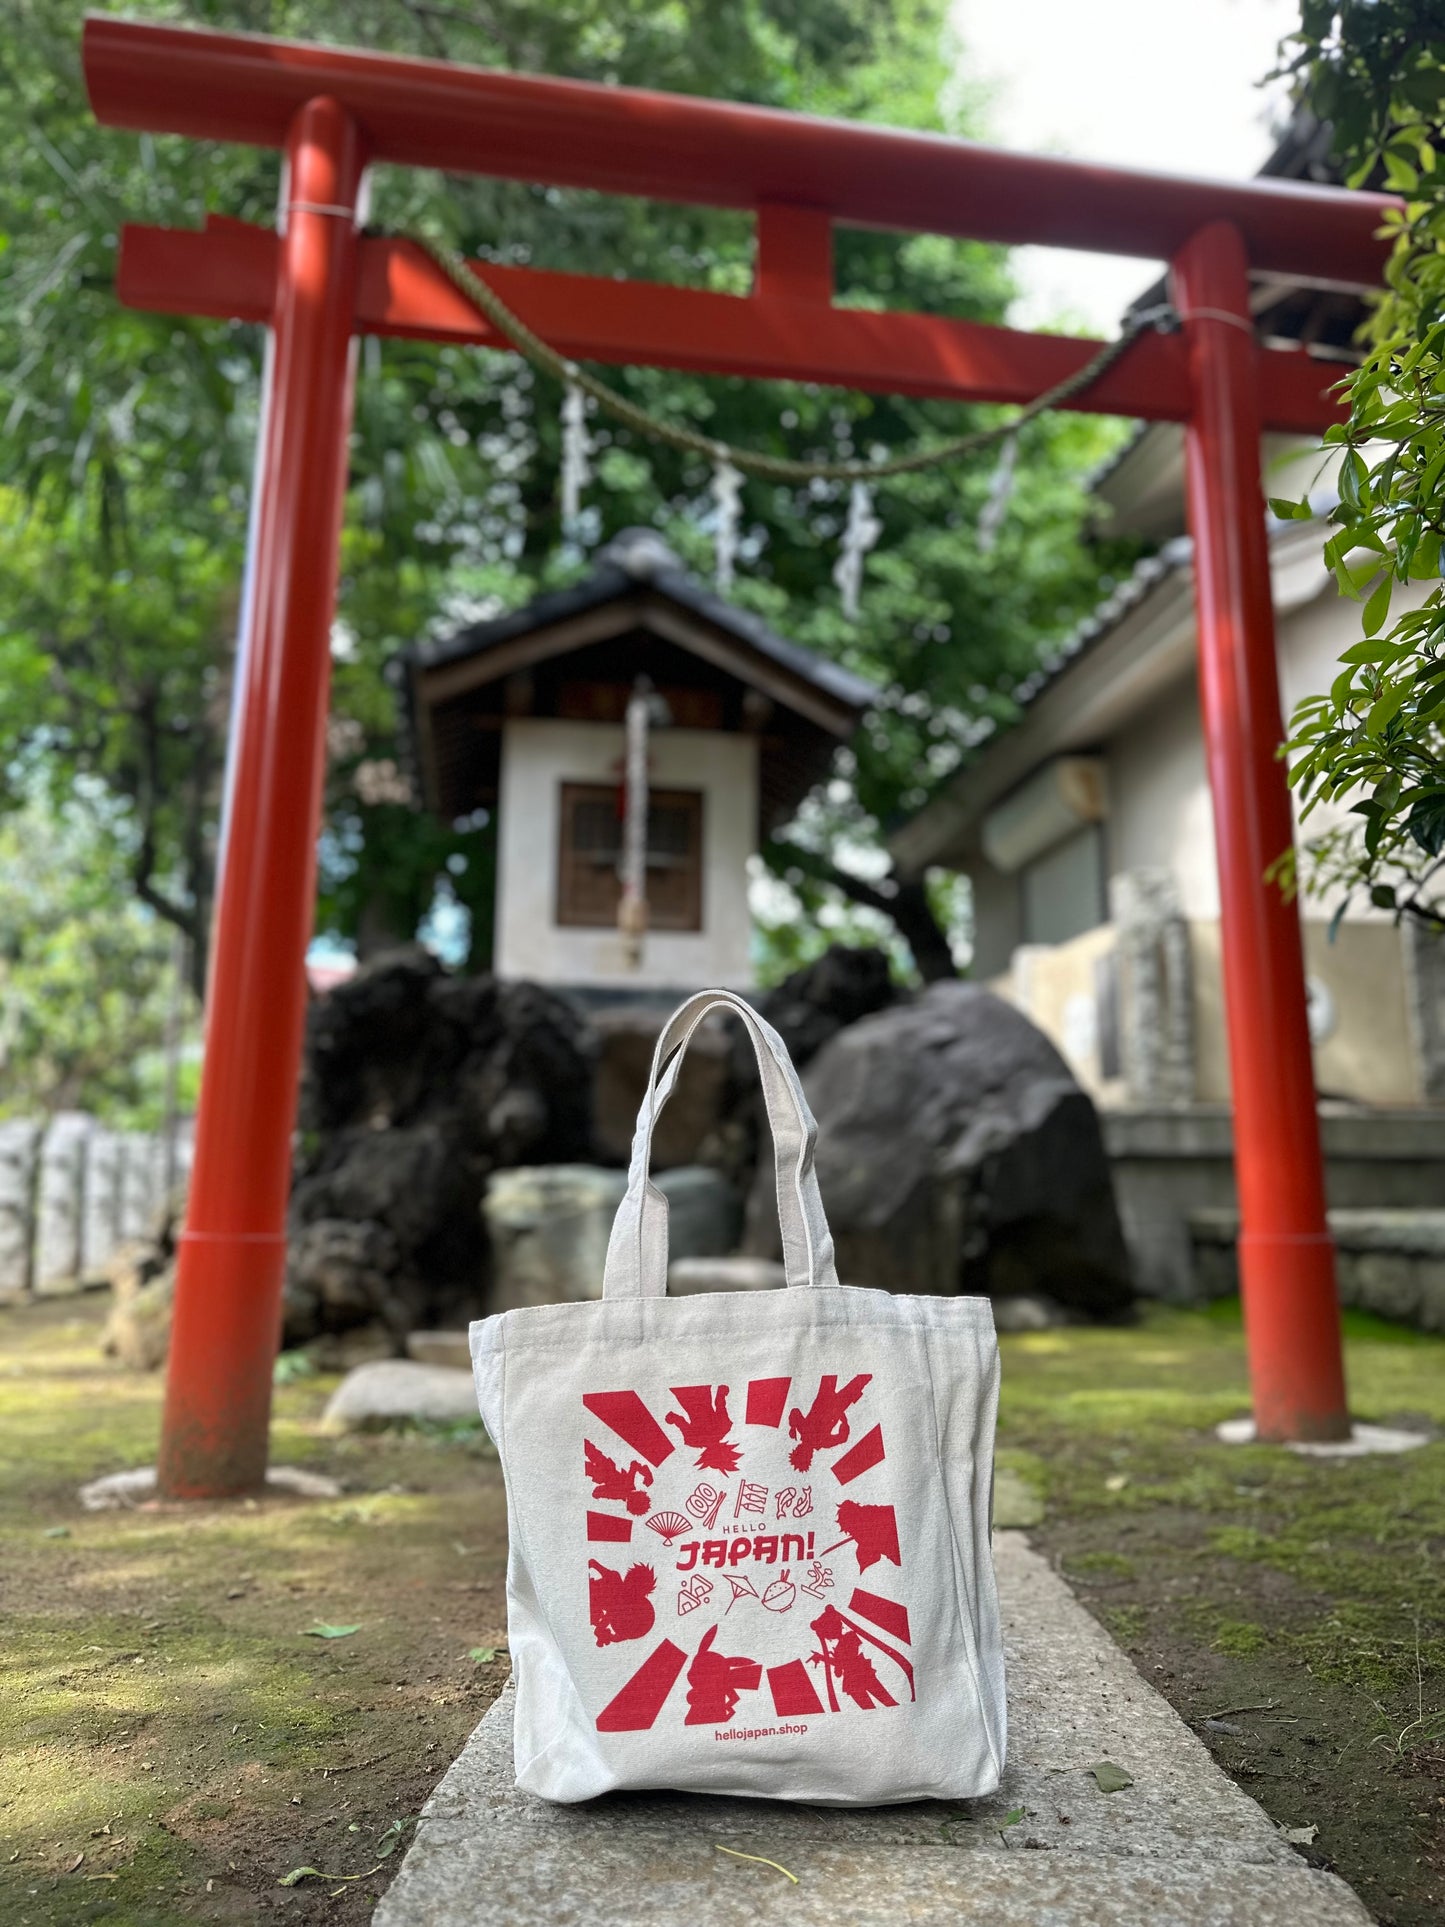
88	997
1376	70
128	448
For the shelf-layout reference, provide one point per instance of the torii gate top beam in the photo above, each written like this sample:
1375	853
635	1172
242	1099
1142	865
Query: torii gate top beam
624	140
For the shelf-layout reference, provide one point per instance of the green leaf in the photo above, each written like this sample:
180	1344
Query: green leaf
1289	511
298	1874
484	1655
1425	825
1012	1817
1386	708
1369	650
1353	475
1378	607
56	1532
1382	895
1111	1778
319	1631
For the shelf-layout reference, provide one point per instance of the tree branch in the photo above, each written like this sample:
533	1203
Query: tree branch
903	900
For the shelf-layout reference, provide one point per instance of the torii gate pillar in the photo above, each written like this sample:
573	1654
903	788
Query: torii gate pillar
233	1249
1286	1257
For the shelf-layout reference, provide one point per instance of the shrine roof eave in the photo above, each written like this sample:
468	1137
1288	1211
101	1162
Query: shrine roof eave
640	574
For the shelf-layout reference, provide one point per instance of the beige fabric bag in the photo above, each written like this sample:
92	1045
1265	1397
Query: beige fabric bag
749	1530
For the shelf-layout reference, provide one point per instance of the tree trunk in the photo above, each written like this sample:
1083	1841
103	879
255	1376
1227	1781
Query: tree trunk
919	928
904	900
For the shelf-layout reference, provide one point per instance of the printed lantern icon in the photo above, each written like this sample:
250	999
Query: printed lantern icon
668	1526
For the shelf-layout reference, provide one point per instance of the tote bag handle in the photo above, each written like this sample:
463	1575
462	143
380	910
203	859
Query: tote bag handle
637	1250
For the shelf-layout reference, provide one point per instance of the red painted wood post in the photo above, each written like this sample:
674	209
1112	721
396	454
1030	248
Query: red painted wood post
1286	1257
232	1252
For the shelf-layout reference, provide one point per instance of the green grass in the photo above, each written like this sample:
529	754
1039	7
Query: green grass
1248	1575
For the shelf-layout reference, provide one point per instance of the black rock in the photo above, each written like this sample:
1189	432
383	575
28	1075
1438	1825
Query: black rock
816	1002
417	1084
956	1153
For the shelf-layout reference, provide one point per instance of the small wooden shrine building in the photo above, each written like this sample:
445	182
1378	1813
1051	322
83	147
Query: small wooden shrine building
526	715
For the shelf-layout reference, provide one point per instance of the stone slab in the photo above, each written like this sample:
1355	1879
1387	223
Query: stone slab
451	1348
125	1491
687	1276
392	1389
1364	1440
1182	1847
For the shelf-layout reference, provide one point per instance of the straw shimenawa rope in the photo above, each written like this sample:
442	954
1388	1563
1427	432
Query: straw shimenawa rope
773	468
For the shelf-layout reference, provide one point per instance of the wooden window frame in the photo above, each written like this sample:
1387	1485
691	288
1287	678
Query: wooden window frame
684	919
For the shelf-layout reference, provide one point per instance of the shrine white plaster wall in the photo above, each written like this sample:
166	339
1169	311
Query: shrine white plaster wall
538	757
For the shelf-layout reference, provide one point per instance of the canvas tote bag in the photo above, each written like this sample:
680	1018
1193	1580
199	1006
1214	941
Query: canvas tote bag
749	1530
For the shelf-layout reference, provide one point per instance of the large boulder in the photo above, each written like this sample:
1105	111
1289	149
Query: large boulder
956	1153
505	1068
626	1039
416	1086
846	983
806	1009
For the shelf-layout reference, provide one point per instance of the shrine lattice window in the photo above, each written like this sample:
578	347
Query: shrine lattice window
590	853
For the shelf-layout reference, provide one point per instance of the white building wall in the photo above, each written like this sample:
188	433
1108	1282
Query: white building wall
1159	812
538	757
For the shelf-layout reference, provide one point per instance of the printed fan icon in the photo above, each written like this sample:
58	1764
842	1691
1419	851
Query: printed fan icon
668	1525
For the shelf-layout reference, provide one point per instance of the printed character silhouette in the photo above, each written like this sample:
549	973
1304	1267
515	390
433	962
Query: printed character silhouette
715	1683
873	1530
620	1608
841	1655
704	1424
856	1673
825	1423
610	1482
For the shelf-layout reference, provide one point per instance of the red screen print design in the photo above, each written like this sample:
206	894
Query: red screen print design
704	1425
872	1530
620	1604
636	1707
840	1653
613	1482
767	1400
845	1660
716	1682
626	1415
825	1424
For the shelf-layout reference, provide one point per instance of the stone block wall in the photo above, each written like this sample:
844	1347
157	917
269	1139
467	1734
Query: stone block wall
1390	1262
71	1192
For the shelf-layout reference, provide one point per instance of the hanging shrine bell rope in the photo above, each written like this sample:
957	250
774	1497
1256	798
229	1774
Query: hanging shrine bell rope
773	468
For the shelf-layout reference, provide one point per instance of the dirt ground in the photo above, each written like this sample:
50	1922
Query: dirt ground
175	1741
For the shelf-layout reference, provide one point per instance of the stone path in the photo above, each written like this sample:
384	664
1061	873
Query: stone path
1181	1847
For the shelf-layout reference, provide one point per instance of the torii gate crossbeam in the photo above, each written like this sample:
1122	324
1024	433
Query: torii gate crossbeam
318	284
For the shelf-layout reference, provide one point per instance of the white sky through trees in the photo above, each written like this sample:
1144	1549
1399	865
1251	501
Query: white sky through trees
1169	85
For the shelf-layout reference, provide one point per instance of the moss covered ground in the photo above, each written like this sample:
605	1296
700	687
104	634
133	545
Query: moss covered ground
174	1741
1309	1592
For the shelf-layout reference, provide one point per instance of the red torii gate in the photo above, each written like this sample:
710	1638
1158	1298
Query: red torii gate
319	284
